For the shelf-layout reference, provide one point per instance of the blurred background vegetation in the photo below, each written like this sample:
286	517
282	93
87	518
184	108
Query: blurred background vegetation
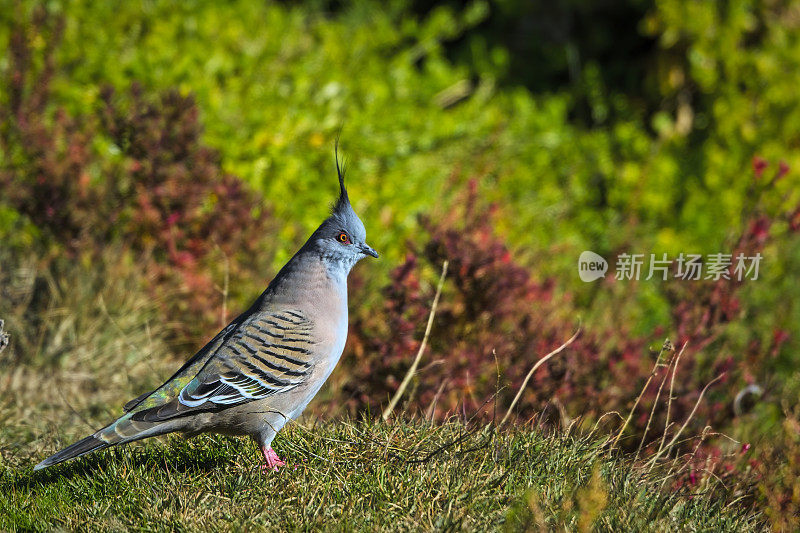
160	160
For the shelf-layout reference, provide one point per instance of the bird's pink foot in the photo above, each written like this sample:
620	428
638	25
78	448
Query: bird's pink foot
273	462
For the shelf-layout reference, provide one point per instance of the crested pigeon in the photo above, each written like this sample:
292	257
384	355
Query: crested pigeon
264	368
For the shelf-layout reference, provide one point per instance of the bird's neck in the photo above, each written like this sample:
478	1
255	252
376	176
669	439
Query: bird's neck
309	277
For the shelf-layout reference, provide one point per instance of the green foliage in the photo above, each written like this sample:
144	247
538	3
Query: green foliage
275	84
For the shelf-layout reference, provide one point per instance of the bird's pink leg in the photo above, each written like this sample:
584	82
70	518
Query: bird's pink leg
273	462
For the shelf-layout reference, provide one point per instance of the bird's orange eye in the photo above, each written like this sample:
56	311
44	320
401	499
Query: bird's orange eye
343	238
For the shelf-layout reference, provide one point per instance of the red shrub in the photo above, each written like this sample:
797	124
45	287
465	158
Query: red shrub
196	224
45	172
491	305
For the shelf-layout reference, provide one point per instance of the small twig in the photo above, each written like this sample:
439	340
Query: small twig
451	444
539	363
413	369
477	412
75	411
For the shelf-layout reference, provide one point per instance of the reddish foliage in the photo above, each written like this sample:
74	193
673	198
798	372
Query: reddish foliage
701	307
759	166
491	305
45	172
192	220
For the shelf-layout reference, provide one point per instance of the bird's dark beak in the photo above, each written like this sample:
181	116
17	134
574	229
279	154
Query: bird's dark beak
366	249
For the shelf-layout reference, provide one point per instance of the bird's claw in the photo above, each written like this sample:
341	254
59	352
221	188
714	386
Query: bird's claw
272	461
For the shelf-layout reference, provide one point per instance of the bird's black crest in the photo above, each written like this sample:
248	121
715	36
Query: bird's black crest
340	169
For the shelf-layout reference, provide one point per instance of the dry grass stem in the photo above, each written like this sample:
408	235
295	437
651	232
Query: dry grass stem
650	419
656	456
413	369
670	398
539	363
653	411
666	346
432	408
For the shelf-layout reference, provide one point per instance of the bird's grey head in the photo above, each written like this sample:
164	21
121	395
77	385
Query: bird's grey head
341	240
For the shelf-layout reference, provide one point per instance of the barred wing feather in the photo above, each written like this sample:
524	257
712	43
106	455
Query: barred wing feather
267	354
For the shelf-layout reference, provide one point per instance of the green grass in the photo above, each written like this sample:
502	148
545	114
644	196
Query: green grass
364	476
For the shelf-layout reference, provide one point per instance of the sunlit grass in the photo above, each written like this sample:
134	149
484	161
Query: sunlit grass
368	476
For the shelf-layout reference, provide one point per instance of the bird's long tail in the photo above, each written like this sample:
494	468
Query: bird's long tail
82	447
121	431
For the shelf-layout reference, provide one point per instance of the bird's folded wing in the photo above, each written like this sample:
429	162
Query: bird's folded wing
266	354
